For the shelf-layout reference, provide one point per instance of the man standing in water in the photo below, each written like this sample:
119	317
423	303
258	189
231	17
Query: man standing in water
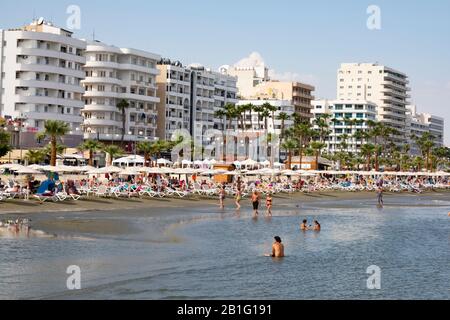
277	249
380	196
255	202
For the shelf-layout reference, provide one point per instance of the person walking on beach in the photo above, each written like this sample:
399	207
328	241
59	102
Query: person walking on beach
238	199
222	197
277	249
380	196
255	202
269	203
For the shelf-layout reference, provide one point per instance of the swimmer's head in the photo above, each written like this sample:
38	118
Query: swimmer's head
305	221
277	239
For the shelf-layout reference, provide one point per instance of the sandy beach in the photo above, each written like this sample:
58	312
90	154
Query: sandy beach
21	207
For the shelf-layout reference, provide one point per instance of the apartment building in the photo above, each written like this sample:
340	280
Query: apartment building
299	94
41	69
420	123
190	96
114	74
347	118
381	85
249	73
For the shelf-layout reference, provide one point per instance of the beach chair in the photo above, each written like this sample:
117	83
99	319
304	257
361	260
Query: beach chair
170	192
45	197
102	191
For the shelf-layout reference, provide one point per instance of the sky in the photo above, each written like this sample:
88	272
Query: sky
298	40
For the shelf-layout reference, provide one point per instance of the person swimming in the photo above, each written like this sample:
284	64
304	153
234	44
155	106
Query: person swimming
277	248
317	226
304	225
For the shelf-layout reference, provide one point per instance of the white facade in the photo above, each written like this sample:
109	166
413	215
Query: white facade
175	100
225	92
384	86
350	117
189	98
114	74
41	70
273	124
420	123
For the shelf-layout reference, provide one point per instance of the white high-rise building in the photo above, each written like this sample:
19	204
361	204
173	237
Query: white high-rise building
420	123
347	118
384	86
189	97
114	74
225	92
41	70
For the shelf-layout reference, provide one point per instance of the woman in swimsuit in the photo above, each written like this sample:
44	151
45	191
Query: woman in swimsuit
222	197
269	201
238	199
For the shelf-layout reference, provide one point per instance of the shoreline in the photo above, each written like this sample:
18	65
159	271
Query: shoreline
22	207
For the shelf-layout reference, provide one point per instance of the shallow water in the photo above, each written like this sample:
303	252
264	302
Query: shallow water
206	254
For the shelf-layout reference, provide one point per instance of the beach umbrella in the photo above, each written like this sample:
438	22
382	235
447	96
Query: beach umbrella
27	171
213	172
12	167
129	172
35	167
164	161
86	168
290	173
186	162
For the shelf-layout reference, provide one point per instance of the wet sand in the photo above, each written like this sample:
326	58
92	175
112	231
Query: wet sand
21	207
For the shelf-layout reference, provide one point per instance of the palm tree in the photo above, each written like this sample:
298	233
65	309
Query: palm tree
258	110
113	152
283	117
92	146
303	133
123	105
367	150
231	114
221	114
54	130
35	156
426	144
322	123
317	147
289	145
148	149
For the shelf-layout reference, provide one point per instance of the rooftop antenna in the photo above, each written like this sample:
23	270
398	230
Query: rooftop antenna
93	34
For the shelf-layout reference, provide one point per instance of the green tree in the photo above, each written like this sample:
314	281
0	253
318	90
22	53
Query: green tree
289	145
283	117
317	147
54	130
367	151
36	156
113	152
148	149
5	145
123	105
92	146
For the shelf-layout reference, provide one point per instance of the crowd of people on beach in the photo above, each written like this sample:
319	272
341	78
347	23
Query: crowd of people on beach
159	186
